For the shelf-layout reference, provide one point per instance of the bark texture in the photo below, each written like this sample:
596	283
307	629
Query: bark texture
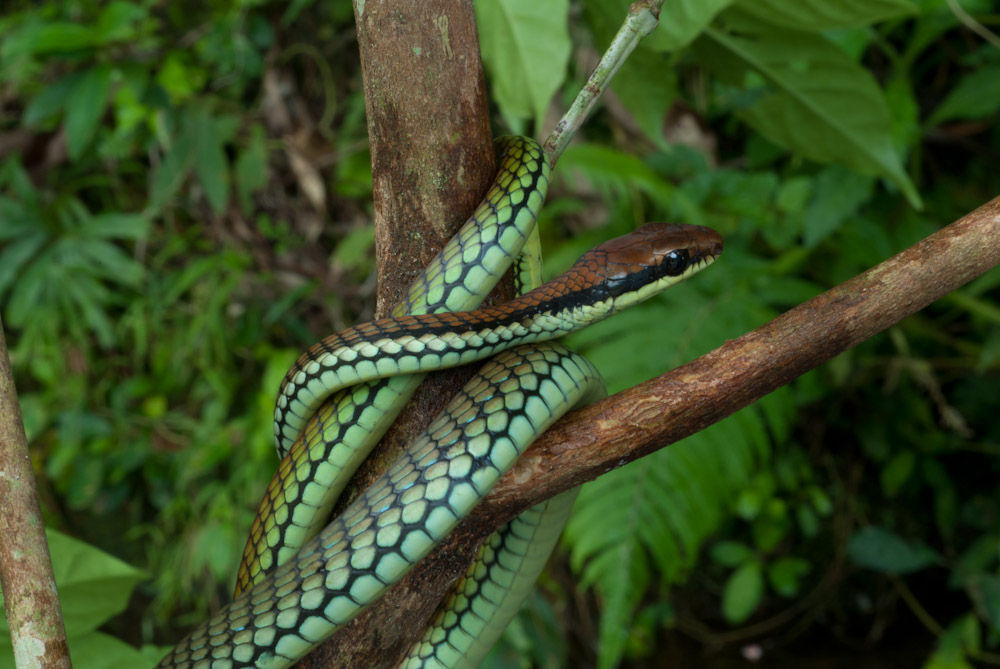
29	588
432	161
637	421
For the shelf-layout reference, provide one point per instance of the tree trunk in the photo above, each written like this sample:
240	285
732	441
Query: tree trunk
432	161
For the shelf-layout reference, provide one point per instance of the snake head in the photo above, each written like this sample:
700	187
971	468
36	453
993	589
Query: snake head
653	257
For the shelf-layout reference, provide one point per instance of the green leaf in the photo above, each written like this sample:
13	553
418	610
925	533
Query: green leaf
526	47
961	636
51	100
897	472
785	573
837	195
807	520
647	85
85	106
27	290
742	592
170	173
117	226
179	79
15	255
820	500
682	21
748	504
117	21
905	112
99	650
976	558
58	36
984	590
769	528
878	548
976	95
665	505
250	171
354	252
210	159
817	15
612	168
816	101
619	603
88	296
93	586
730	553
107	260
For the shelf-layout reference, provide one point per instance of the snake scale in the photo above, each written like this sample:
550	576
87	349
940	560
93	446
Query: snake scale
297	586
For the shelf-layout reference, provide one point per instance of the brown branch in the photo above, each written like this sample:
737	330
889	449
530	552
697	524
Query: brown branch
655	414
29	588
647	417
432	160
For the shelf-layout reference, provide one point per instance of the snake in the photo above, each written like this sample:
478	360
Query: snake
298	585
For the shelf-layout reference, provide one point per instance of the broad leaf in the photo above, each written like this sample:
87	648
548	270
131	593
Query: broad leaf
878	548
611	167
816	100
647	85
837	195
742	592
681	22
526	47
50	100
816	15
52	37
731	553
976	95
785	574
93	586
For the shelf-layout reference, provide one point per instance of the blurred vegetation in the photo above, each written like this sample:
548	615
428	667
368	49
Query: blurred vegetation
184	205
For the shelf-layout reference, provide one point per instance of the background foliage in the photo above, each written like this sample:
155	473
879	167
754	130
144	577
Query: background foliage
184	205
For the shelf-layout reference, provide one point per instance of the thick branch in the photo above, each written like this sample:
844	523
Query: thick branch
29	588
429	129
647	417
432	160
635	422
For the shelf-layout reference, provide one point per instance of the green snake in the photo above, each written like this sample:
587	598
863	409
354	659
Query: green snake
295	589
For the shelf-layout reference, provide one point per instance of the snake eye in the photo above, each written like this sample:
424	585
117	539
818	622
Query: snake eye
675	262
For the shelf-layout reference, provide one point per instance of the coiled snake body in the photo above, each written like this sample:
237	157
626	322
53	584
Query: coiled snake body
341	394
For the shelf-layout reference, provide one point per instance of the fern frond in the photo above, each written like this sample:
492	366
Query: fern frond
645	523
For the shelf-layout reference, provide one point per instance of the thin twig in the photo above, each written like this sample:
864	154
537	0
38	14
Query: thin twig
29	588
972	24
642	19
